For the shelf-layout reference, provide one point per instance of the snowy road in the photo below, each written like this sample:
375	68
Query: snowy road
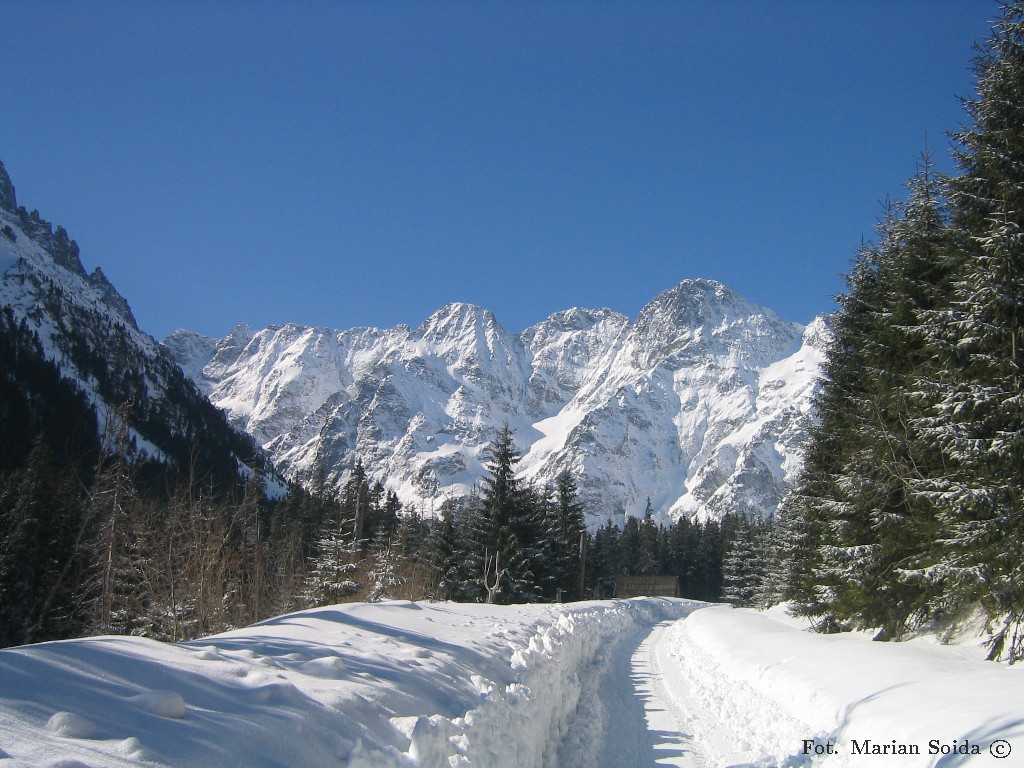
645	726
649	719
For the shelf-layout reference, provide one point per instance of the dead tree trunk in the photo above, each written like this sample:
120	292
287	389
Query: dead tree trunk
498	573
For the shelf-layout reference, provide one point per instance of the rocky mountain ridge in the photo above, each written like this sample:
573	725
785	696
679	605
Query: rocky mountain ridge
700	405
77	327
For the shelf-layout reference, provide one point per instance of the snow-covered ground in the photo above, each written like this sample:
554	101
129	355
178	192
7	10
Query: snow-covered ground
607	684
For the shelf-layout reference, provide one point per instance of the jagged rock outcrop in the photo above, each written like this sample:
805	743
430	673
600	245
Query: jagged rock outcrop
8	200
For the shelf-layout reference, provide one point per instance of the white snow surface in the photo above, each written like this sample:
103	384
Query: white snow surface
609	684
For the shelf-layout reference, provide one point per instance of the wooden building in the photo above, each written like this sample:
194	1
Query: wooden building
646	586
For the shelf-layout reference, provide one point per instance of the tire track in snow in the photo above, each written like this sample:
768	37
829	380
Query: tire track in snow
669	723
627	716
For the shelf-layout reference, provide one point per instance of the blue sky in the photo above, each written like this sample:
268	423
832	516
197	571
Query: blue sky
362	163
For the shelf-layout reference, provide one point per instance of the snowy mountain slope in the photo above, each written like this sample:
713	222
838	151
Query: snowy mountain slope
699	405
642	682
85	329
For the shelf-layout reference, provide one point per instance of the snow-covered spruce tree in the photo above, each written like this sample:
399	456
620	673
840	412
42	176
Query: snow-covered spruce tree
446	556
973	397
547	555
571	536
331	577
886	457
860	532
507	524
772	589
816	506
745	564
559	552
333	567
849	494
384	578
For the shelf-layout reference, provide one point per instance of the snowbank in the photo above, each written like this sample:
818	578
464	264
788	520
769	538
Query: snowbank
390	684
444	685
794	698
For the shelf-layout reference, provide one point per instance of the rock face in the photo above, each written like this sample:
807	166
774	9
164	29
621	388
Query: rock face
700	405
8	200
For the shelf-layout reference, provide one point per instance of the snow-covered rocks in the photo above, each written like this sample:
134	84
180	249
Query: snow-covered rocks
700	405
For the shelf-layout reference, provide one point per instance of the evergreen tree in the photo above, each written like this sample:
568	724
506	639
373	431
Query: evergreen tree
571	537
704	572
974	416
384	577
42	553
909	506
331	577
629	547
648	556
604	560
509	530
355	504
858	526
447	556
332	571
677	551
745	563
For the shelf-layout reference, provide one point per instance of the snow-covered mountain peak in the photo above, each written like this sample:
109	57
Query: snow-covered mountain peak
198	350
694	302
565	350
571	322
670	407
111	297
702	317
818	333
49	261
459	313
465	324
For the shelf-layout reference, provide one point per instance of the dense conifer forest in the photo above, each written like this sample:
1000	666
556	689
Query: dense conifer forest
99	550
910	511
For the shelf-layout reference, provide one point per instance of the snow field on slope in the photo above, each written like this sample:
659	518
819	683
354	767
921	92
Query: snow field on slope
390	685
771	684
